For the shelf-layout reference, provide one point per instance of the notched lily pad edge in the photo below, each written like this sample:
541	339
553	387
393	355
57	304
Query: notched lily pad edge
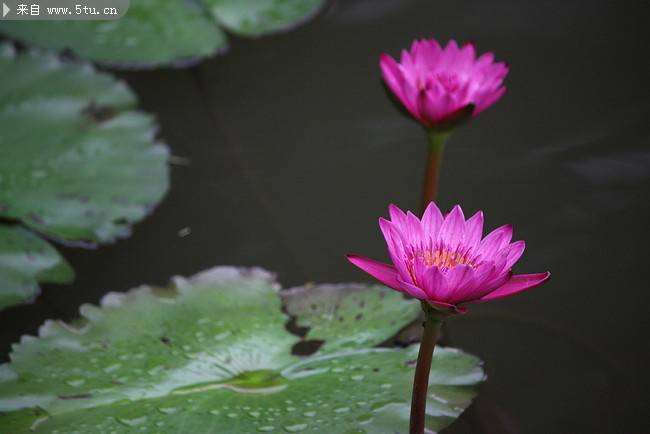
222	275
57	274
218	274
13	50
400	339
321	9
181	62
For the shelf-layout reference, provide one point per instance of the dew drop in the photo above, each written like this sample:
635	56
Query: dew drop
296	427
112	368
266	428
132	422
76	383
221	336
167	410
365	418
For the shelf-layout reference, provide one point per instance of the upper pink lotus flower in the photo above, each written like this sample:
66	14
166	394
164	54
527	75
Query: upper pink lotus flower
444	261
440	85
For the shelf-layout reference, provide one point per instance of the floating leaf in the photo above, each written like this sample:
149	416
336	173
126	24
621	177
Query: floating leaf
211	354
336	314
25	260
78	164
152	32
162	32
257	17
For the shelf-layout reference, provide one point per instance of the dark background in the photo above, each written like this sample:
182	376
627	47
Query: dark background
294	151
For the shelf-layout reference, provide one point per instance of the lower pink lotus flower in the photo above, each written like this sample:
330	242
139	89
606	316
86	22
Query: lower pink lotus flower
439	85
446	262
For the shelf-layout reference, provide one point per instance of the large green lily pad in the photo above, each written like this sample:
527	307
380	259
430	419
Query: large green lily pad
211	354
25	260
78	164
163	32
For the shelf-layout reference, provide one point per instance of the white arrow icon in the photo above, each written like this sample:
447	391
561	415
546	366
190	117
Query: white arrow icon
5	10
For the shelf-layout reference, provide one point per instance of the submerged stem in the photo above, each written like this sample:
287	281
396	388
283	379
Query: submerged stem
436	148
432	324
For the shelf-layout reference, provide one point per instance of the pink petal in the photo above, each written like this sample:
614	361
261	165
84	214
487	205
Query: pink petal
429	53
474	230
514	252
494	242
453	228
484	60
397	216
484	272
394	78
411	289
478	288
391	235
432	221
428	107
500	261
450	53
393	243
386	229
385	273
417	293
460	279
518	283
447	306
489	100
434	283
498	279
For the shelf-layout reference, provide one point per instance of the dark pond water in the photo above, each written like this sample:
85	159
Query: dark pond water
294	151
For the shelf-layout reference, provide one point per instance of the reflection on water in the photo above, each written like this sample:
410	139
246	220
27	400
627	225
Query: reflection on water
291	150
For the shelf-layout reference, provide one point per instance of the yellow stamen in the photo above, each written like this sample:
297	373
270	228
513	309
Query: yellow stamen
441	257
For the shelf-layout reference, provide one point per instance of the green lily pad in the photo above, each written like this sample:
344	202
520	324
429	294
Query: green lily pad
153	32
335	314
211	354
25	260
258	17
163	32
78	163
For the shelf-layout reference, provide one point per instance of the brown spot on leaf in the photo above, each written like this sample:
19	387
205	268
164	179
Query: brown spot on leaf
76	396
98	113
307	348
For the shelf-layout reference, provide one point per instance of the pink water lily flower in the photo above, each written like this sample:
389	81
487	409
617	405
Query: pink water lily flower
437	85
446	262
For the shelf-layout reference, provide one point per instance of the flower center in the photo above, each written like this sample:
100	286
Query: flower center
448	81
441	256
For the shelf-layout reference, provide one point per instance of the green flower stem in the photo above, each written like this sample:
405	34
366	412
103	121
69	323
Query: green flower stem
436	148
432	324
